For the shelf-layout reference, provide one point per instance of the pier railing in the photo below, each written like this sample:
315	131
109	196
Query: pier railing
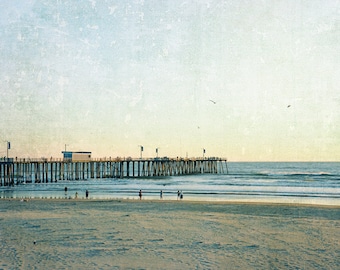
114	159
44	170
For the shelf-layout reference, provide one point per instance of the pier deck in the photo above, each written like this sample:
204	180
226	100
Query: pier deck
16	171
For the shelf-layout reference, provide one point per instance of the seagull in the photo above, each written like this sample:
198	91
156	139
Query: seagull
288	106
212	101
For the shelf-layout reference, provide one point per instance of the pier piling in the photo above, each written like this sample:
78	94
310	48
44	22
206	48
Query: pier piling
52	170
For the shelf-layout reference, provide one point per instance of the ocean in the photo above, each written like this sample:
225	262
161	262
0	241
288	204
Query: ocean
267	182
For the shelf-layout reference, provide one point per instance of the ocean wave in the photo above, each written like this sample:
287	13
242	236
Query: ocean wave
309	174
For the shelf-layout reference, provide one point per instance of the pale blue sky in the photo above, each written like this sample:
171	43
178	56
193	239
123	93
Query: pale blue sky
107	76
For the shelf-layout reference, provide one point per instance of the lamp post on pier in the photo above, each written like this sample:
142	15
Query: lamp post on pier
141	151
8	147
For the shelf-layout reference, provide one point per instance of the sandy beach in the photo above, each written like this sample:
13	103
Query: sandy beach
132	234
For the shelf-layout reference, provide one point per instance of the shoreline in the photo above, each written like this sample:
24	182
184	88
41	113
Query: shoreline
155	201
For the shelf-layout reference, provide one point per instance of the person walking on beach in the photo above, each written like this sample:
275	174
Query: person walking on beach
161	194
87	194
178	194
181	196
140	194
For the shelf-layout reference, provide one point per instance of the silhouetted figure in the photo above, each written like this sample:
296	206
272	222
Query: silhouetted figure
140	194
87	194
161	194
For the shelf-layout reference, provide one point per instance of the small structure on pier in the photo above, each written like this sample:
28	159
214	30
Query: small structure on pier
76	156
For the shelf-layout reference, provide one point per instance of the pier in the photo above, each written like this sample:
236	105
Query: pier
18	171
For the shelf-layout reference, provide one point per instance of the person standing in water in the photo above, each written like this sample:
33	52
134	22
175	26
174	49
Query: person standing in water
140	194
87	194
161	194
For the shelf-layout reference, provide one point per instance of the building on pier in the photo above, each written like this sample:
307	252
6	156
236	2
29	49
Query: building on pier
76	156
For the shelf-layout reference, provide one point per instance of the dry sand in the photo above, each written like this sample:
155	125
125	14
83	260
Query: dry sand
70	234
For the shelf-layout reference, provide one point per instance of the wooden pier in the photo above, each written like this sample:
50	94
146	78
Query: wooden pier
17	171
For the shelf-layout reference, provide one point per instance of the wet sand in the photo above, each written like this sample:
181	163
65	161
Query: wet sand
120	234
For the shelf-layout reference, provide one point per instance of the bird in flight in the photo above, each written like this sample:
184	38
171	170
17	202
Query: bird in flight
288	106
212	101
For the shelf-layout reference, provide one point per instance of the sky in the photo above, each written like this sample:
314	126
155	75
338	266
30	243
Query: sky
244	80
